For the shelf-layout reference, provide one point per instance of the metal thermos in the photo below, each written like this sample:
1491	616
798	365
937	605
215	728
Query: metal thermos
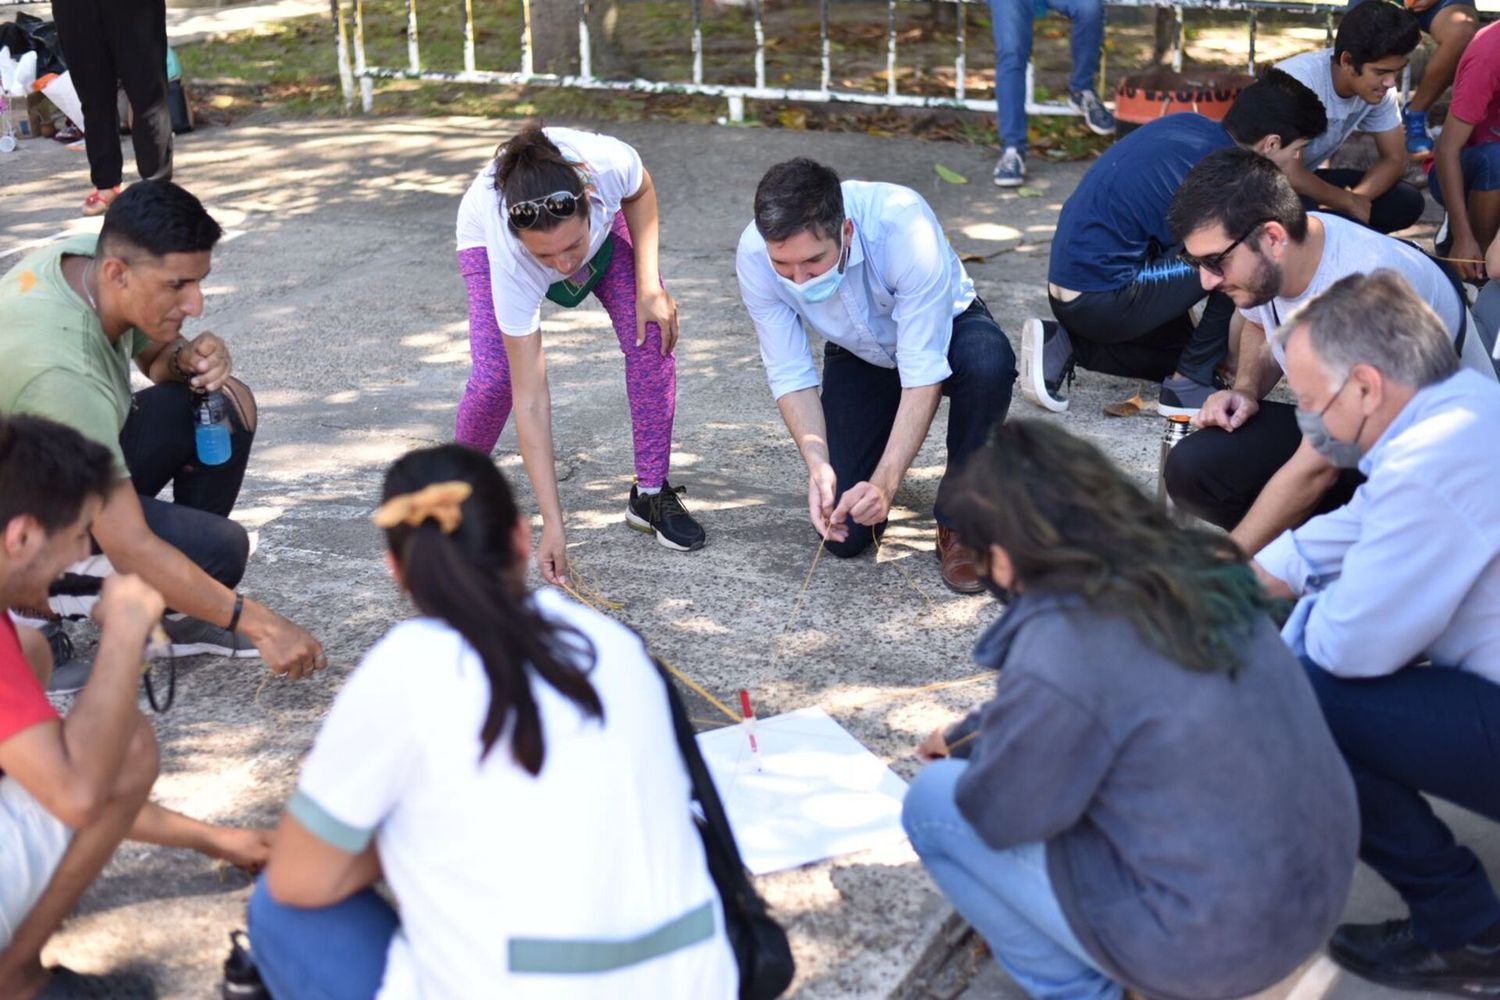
1177	428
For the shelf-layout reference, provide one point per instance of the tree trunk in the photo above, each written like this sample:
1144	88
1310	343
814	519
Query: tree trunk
1164	45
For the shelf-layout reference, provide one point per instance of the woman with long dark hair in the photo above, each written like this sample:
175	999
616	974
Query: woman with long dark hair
557	214
505	761
1152	798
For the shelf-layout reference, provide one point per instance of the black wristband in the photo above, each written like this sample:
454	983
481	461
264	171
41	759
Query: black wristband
239	606
175	363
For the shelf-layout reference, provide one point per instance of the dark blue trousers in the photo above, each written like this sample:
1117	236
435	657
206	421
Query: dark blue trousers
860	401
1430	730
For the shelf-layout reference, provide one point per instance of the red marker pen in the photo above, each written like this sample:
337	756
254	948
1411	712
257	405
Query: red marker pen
749	724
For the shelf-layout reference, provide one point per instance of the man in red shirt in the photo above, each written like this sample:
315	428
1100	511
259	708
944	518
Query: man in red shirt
71	788
1467	159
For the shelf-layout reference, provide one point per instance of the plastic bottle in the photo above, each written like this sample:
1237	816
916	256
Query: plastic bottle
211	428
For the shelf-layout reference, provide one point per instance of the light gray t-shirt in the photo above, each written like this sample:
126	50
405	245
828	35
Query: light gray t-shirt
1349	248
1345	114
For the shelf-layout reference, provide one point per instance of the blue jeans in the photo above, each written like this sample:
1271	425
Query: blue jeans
1422	729
1481	170
860	401
1011	21
1006	895
331	953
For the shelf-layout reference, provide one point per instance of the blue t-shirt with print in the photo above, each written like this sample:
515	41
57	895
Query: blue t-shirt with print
1117	217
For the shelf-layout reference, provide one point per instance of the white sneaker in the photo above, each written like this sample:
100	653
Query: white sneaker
1042	382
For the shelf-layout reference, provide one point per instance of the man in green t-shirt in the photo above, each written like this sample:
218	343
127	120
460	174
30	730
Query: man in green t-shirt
73	316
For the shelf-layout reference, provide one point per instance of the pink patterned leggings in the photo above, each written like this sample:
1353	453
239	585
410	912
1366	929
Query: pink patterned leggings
650	379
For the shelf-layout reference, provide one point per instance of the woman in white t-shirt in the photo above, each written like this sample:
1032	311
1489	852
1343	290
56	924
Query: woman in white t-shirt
557	214
506	762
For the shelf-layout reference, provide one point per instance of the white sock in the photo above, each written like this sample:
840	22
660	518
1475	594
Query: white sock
641	490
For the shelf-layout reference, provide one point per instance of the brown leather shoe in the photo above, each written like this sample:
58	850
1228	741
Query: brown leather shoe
960	563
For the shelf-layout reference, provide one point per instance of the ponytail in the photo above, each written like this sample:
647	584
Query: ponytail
531	166
471	579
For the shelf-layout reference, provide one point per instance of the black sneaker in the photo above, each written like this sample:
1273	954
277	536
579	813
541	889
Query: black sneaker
241	977
1389	954
663	515
1046	363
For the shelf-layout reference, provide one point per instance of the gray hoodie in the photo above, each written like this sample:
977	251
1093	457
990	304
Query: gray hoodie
1201	830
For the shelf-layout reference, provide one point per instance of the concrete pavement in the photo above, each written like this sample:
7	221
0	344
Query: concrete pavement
337	290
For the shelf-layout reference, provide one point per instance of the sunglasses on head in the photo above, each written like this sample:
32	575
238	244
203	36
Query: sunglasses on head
1214	262
558	204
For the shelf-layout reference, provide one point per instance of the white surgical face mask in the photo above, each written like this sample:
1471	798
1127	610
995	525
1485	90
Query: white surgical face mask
822	287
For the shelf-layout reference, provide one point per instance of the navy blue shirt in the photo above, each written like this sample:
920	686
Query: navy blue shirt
1118	214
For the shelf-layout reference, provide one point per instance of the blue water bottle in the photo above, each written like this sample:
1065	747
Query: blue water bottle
211	428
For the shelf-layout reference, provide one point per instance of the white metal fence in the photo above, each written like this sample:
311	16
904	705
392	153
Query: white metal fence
356	71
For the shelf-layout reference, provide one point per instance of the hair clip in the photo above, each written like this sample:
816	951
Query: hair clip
441	501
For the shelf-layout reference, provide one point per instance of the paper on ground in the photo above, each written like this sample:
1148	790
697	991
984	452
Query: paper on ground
819	793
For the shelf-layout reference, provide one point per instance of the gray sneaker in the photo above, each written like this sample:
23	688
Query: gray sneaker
1046	363
1010	169
70	672
1095	115
1182	397
194	637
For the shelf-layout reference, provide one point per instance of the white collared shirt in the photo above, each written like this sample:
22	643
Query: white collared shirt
518	281
1409	568
894	308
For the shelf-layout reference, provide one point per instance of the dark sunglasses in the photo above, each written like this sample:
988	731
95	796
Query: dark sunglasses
558	204
1214	262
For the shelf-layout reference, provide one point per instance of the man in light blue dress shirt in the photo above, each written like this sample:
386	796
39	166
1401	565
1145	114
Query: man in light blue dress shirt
866	266
1398	613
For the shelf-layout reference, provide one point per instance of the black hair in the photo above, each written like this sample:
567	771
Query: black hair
530	166
48	471
799	195
1239	189
1375	29
1276	104
1072	523
472	580
157	218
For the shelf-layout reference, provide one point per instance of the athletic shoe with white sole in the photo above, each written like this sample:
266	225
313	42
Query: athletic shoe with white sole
663	515
1046	362
70	672
195	637
1010	169
1182	397
1095	115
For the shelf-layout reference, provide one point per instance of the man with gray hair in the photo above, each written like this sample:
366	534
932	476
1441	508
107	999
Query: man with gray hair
1398	613
866	266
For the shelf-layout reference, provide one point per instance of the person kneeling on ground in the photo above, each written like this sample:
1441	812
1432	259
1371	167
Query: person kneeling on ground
866	265
1151	799
584	878
71	789
1248	469
556	214
1122	300
1396	621
1468	158
1356	82
73	315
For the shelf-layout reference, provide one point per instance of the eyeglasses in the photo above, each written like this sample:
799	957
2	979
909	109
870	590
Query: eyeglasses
558	204
1214	262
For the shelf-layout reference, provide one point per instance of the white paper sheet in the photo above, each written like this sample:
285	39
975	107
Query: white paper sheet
819	792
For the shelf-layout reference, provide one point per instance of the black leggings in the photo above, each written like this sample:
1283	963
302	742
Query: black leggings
1143	330
160	448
